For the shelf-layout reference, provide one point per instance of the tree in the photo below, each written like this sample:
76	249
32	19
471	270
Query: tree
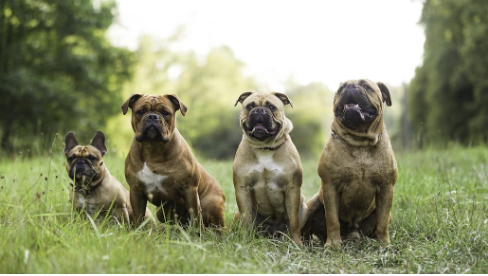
57	69
449	92
311	116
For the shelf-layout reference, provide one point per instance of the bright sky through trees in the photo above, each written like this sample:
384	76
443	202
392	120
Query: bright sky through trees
324	41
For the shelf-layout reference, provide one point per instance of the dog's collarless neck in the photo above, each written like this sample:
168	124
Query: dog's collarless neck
342	140
160	150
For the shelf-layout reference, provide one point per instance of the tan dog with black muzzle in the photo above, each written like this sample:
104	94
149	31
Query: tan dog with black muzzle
357	168
95	189
161	168
267	168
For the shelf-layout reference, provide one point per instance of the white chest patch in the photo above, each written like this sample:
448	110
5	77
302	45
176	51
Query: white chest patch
80	200
265	162
153	181
87	203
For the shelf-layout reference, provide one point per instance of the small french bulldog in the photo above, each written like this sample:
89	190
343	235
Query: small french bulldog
95	189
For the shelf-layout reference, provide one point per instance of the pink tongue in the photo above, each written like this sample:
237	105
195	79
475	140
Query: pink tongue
260	126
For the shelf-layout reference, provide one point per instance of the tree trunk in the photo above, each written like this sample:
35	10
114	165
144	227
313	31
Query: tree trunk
4	143
405	120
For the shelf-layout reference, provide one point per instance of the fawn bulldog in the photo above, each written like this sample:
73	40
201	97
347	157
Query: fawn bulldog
161	168
357	168
95	189
267	171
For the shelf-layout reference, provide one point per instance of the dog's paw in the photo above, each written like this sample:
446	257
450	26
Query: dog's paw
333	243
297	240
354	235
383	237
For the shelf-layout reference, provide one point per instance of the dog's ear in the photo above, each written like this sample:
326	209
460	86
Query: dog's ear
385	93
70	142
130	102
178	103
243	97
283	98
98	142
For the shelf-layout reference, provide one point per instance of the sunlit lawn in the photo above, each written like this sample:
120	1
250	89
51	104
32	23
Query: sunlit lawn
439	225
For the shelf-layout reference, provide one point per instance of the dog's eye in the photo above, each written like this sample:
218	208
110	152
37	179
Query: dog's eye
92	158
140	112
271	107
165	113
71	158
367	87
249	106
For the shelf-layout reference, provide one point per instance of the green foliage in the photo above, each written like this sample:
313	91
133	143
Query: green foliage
58	72
210	90
311	116
449	93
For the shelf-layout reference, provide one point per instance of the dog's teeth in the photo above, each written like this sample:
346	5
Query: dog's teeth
346	106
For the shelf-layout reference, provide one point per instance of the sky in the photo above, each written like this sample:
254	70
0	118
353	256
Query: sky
306	41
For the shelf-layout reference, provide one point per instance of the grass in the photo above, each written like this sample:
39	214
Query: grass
439	226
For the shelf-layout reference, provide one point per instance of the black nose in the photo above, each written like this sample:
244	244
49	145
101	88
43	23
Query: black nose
350	90
259	110
152	117
352	86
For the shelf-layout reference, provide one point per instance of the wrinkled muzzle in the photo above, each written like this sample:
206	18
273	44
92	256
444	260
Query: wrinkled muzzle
153	128
354	108
82	172
259	124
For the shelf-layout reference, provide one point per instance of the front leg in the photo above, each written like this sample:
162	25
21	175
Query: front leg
126	215
138	201
122	215
293	202
384	200
331	204
122	208
192	203
244	201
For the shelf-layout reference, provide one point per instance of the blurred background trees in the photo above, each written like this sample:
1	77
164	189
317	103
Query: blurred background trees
59	72
448	96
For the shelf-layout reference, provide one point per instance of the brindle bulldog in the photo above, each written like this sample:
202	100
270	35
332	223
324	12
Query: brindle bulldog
95	189
267	168
161	168
357	168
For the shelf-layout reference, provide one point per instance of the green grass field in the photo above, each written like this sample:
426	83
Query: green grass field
440	225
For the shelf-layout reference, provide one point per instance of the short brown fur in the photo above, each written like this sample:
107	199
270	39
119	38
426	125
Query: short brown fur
182	187
358	172
104	190
268	174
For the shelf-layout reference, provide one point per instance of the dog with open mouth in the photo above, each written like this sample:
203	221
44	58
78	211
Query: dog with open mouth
267	171
95	190
357	168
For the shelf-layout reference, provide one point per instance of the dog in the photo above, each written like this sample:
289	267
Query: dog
267	171
95	190
161	168
357	168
